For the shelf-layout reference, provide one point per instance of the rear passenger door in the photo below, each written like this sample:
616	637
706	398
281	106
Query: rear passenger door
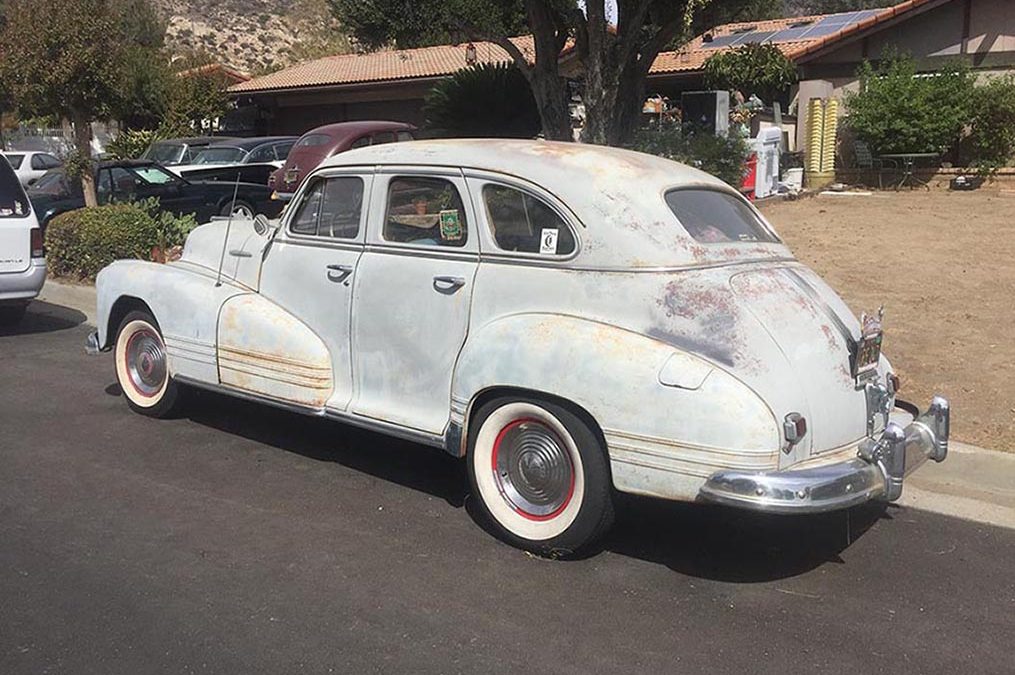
412	297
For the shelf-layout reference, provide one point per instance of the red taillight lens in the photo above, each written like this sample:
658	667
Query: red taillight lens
38	249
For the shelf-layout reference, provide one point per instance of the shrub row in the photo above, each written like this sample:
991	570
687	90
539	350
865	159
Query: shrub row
80	243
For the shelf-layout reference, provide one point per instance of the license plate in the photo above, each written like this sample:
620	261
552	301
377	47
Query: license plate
868	353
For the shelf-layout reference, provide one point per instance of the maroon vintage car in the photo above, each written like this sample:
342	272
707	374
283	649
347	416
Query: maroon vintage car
318	144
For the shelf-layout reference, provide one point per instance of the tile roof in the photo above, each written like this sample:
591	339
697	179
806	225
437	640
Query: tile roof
382	66
408	64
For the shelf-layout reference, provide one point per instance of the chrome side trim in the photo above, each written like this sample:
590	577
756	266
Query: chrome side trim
370	424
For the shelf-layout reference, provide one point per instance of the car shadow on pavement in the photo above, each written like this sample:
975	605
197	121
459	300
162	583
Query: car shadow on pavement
428	470
731	545
698	540
43	317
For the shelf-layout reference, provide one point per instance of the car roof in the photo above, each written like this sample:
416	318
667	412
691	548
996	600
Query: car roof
618	195
343	129
194	140
251	143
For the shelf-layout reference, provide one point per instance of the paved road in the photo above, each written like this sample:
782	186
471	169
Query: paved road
244	540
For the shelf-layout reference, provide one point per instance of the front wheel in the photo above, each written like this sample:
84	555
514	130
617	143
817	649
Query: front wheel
240	209
142	369
540	475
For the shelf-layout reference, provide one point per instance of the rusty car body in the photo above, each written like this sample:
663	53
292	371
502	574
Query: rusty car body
573	320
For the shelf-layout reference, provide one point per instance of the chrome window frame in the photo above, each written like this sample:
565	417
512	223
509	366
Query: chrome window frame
365	174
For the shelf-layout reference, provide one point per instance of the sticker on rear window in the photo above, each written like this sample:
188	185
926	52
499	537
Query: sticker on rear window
548	240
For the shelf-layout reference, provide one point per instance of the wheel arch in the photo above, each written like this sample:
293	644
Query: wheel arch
120	308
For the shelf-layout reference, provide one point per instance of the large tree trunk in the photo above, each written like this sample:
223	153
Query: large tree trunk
551	97
83	146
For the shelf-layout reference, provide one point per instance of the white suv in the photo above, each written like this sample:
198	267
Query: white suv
22	261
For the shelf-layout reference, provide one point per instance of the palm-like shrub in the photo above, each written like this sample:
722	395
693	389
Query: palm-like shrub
483	101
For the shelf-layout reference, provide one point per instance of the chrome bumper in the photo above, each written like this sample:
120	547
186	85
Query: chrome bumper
877	472
92	344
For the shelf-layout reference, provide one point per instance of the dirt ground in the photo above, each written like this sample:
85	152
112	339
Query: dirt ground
943	265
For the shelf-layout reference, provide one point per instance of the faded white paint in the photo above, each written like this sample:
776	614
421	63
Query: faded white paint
687	355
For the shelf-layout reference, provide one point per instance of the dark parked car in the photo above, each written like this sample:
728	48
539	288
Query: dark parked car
318	144
253	159
172	151
131	180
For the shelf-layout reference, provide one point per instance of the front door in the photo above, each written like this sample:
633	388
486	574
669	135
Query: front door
412	298
311	268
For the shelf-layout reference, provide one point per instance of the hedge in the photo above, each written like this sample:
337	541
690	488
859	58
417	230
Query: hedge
80	243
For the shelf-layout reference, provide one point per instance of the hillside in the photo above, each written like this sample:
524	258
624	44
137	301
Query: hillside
253	35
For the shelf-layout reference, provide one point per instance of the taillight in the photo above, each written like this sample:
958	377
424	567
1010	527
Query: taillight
38	249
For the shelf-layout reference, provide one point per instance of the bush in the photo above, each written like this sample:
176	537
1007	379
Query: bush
899	110
130	144
721	156
80	243
991	141
483	101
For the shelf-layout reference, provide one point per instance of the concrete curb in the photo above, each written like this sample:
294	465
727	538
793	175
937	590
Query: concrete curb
973	483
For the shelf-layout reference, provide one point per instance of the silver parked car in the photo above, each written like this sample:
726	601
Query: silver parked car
572	320
22	258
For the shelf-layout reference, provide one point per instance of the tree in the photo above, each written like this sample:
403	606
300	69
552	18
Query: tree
762	70
486	100
804	7
69	67
616	59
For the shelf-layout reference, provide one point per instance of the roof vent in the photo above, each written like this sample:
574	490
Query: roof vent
707	37
801	24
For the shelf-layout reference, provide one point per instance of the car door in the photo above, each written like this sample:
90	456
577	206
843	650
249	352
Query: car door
174	193
38	166
311	267
412	297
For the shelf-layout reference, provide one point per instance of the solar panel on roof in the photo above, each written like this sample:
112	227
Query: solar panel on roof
833	19
821	31
789	34
758	37
721	41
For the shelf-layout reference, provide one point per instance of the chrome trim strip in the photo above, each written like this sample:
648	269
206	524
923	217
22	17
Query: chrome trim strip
679	445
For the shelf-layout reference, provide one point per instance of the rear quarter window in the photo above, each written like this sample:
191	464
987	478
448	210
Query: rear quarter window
714	216
15	160
313	140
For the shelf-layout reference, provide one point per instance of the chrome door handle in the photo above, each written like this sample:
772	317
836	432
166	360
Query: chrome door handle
444	284
339	273
237	253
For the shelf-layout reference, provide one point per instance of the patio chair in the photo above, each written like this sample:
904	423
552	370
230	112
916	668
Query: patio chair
865	160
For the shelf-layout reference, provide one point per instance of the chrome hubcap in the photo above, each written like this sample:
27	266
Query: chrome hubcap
533	469
146	362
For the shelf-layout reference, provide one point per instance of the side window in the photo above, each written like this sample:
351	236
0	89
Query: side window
305	220
124	182
282	150
426	212
104	187
360	142
50	162
404	136
265	153
331	208
384	137
38	163
524	224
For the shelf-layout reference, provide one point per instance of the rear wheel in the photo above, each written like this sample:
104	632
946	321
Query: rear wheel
142	368
540	475
12	314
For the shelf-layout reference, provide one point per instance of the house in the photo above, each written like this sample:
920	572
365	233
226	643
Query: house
828	49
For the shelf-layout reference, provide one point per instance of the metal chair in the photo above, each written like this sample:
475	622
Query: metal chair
865	160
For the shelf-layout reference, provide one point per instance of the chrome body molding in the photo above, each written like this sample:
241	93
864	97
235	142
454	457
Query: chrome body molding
875	473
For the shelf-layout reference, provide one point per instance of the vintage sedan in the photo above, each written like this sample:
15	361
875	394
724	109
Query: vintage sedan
572	320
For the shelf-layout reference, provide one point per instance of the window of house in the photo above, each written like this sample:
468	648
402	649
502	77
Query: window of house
331	208
426	212
713	216
524	224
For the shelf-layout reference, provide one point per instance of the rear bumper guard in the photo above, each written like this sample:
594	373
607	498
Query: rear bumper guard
877	472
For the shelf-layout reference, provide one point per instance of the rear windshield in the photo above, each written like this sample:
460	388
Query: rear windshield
712	216
15	160
223	155
313	140
164	153
13	202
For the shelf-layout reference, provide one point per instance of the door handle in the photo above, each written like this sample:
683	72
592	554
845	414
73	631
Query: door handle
238	253
443	284
339	273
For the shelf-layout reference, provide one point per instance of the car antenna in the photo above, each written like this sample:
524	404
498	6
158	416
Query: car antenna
229	223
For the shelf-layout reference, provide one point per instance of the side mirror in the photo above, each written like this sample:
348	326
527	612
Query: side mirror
261	224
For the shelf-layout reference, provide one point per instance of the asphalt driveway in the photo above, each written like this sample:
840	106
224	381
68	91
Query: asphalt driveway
240	539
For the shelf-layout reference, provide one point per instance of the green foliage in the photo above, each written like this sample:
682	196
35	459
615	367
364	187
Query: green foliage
800	7
762	70
194	95
484	100
80	243
897	110
131	144
991	141
722	156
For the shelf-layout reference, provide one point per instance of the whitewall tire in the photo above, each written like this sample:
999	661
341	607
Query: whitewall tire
142	367
540	475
